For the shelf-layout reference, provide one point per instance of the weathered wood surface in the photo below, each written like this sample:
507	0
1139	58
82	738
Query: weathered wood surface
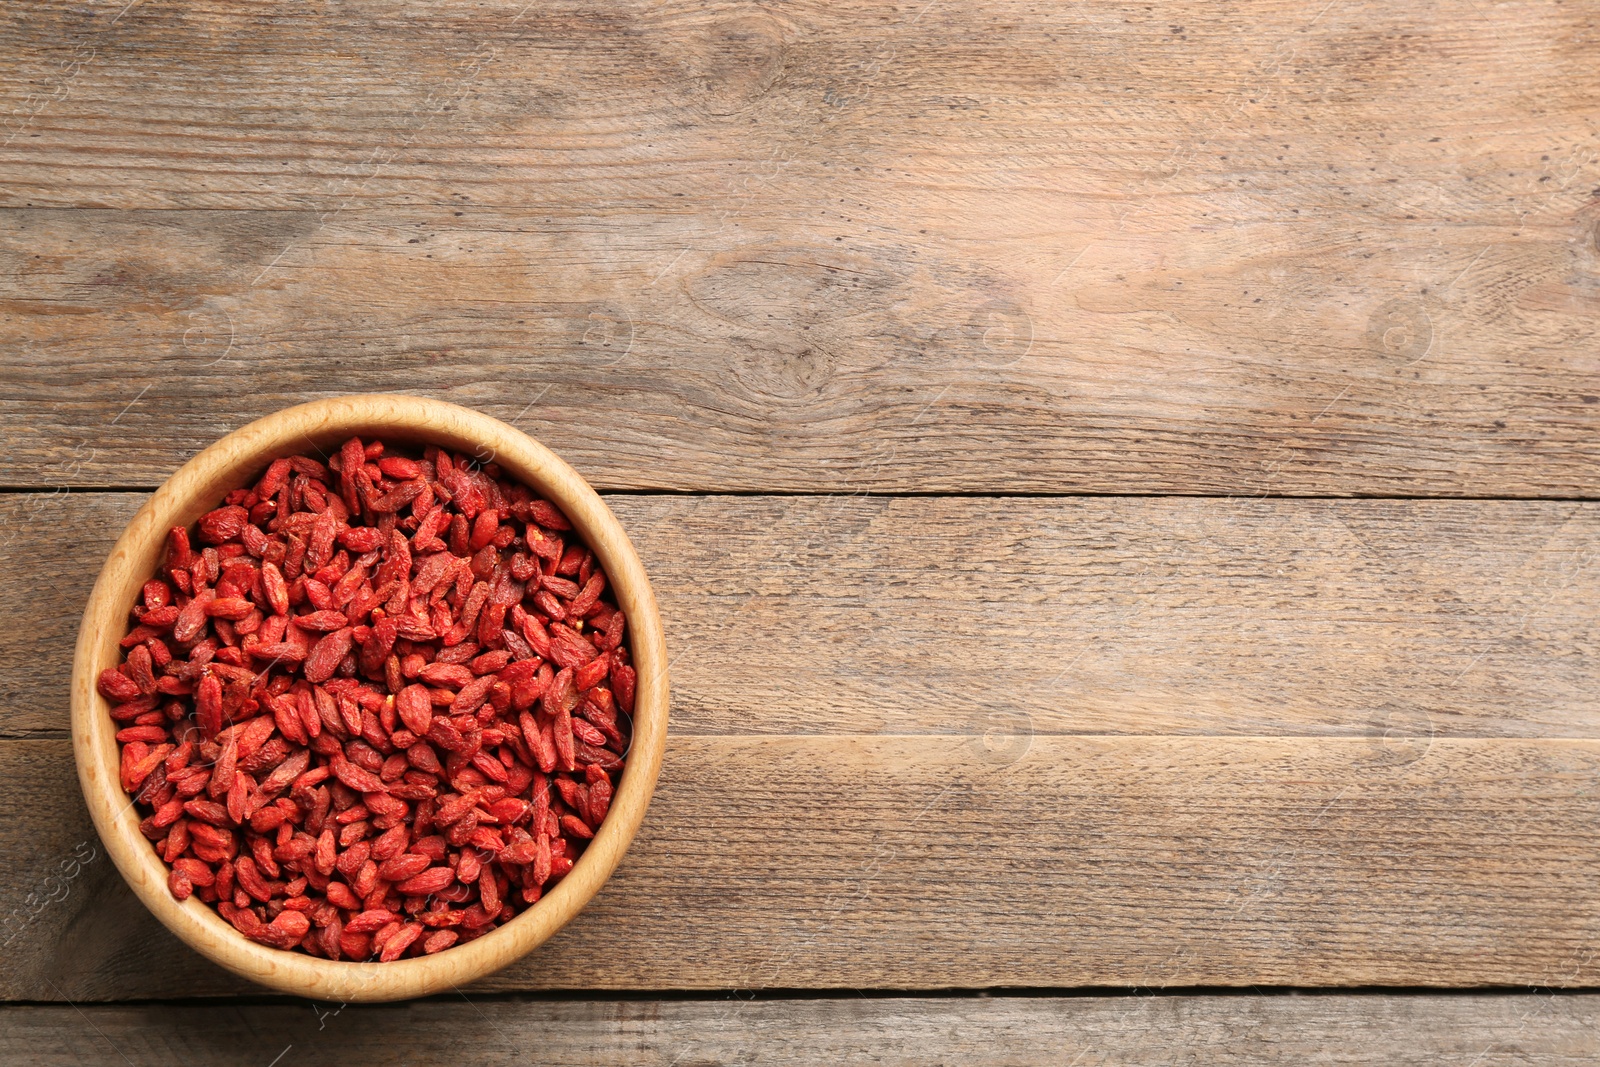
1265	248
933	862
814	615
1132	1031
501	104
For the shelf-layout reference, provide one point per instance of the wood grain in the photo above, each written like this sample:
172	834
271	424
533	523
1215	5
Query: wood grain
1005	246
933	862
836	361
1180	616
1388	1030
1030	104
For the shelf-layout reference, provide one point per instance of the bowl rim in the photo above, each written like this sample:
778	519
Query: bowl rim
197	487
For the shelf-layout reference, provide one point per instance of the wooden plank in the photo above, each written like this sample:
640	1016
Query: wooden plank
1180	616
934	862
1247	249
496	104
836	360
1389	1030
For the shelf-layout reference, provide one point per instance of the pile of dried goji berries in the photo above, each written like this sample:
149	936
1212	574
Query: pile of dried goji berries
380	709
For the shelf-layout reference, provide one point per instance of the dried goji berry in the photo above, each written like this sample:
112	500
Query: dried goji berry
342	717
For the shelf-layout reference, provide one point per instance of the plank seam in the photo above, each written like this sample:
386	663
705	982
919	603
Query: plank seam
930	494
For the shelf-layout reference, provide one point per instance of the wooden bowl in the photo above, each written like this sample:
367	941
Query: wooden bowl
199	486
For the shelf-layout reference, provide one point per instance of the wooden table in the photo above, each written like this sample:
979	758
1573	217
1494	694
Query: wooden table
1120	481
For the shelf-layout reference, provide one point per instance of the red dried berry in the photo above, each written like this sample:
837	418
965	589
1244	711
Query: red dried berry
223	525
349	719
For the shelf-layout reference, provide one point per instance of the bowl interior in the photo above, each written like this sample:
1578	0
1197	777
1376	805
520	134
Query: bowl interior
237	460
